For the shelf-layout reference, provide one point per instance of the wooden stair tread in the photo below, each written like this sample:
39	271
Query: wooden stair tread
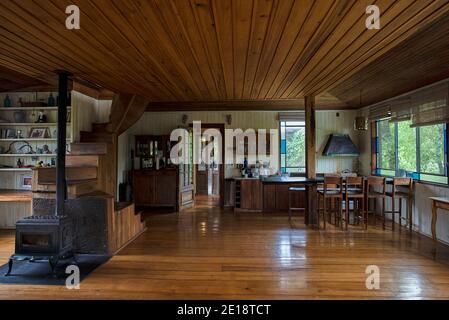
122	205
10	195
97	193
88	148
70	182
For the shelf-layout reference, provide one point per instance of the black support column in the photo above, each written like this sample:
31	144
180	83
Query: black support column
61	184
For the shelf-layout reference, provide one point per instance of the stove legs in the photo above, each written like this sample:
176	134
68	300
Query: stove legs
11	261
53	263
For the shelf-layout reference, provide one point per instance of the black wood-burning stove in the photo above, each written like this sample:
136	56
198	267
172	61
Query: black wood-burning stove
43	238
49	237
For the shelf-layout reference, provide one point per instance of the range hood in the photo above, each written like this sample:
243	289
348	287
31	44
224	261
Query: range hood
340	145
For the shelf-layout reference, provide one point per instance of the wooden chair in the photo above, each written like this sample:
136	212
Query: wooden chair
376	188
398	192
355	192
332	189
292	191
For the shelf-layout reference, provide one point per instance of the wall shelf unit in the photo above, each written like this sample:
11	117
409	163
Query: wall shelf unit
16	125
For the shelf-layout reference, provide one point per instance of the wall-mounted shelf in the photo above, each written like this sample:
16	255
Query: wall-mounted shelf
9	195
29	108
25	124
14	169
20	155
32	139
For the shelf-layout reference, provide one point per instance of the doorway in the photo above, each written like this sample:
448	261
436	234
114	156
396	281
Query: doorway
209	178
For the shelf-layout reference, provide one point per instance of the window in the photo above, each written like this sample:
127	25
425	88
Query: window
420	151
386	157
293	146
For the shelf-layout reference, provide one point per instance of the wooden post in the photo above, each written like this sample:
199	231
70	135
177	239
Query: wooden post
311	216
61	185
310	137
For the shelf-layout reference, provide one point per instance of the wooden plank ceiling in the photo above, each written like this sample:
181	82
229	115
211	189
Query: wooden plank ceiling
200	51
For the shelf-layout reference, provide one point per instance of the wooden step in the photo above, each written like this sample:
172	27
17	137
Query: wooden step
88	148
102	127
87	136
75	189
82	160
74	175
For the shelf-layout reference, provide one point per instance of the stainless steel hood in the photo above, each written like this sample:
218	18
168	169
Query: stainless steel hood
340	145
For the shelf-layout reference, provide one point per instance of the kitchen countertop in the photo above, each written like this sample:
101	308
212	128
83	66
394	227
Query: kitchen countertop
281	179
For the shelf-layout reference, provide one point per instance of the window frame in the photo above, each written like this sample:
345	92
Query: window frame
303	170
416	175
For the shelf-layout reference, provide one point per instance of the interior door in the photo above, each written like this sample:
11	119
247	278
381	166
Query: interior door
202	179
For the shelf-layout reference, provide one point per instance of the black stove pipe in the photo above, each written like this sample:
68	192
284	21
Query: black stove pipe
61	184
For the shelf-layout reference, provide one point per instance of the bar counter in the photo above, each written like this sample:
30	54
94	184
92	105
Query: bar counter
270	194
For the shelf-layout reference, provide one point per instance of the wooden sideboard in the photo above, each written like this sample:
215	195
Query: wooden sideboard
438	203
156	188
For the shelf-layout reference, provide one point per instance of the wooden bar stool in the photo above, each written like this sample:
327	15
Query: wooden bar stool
292	191
402	189
376	188
332	189
355	192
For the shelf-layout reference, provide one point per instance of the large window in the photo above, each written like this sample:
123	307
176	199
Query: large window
420	152
293	146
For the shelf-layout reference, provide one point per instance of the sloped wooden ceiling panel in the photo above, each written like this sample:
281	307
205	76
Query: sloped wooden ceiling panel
421	60
11	81
210	50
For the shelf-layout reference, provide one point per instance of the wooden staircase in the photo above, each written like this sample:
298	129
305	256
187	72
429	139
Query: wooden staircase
91	169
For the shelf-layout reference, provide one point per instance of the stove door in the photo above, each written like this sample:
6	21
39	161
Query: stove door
38	242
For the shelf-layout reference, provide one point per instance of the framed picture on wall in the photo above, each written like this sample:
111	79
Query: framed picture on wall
25	181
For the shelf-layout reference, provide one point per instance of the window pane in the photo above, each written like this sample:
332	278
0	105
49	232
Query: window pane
430	178
386	156
292	146
295	138
389	173
432	149
406	146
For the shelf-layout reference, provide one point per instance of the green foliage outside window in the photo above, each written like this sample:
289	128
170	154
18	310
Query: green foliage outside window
418	150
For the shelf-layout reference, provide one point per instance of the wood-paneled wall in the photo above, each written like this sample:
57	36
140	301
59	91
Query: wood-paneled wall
10	212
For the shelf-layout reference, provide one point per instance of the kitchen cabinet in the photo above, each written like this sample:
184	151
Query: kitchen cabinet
229	193
249	195
157	188
276	197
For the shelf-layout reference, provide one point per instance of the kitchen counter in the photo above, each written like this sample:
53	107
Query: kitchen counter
282	179
271	194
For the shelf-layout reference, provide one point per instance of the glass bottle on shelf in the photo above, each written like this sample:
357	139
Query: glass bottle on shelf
51	100
7	102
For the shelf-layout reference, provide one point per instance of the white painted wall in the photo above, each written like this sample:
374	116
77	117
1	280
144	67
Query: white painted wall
88	110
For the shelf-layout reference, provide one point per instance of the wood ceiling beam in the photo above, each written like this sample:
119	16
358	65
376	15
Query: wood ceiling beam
325	103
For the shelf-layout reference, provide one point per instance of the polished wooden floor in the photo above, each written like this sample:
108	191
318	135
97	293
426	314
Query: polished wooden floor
205	253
